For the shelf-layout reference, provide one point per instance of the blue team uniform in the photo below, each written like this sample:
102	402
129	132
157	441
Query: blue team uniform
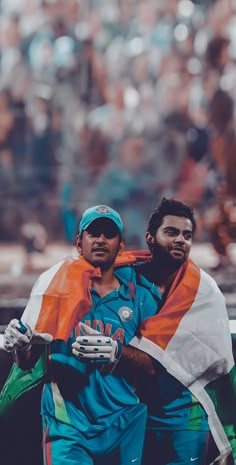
177	428
90	417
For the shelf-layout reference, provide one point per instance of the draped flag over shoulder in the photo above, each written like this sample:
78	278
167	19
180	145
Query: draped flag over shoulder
191	338
60	297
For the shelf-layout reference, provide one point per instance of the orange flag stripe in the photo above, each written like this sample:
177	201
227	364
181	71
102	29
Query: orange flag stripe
162	327
67	298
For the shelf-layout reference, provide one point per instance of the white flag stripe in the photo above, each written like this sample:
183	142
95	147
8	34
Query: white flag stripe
202	344
200	351
32	309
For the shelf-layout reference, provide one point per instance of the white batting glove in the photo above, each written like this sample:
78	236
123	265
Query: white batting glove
94	346
19	336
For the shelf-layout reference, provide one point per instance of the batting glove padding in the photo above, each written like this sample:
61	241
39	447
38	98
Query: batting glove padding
96	347
19	336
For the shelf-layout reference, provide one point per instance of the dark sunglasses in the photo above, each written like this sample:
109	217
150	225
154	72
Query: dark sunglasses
110	231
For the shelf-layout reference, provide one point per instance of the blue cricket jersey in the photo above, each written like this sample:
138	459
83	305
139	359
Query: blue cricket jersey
78	393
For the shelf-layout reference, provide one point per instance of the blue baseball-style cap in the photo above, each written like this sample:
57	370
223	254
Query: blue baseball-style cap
100	211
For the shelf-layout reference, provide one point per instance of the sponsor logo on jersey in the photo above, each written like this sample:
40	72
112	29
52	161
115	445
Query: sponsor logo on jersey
126	314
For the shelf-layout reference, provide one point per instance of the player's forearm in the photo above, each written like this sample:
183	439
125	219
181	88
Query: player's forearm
137	360
27	359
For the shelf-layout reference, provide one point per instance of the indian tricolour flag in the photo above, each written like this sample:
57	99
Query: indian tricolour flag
191	337
61	296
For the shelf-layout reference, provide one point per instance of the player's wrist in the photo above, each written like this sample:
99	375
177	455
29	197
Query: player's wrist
118	350
26	348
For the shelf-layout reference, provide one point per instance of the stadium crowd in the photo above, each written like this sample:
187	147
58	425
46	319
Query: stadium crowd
117	102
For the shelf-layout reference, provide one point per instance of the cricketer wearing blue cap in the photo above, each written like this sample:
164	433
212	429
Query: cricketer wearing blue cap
92	415
102	212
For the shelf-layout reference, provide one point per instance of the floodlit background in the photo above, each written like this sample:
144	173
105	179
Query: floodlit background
118	102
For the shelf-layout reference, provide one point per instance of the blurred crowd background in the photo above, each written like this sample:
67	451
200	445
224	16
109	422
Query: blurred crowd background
118	102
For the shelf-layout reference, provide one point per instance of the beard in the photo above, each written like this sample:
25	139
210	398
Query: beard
162	256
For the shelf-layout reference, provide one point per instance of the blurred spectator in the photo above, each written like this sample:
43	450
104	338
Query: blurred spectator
12	58
7	174
220	221
111	117
40	145
170	152
34	239
6	119
68	207
191	181
19	129
217	53
95	154
92	75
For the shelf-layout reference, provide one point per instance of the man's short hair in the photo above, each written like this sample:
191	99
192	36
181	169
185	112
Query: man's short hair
169	207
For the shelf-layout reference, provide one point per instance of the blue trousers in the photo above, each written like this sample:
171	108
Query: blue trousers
119	444
175	447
